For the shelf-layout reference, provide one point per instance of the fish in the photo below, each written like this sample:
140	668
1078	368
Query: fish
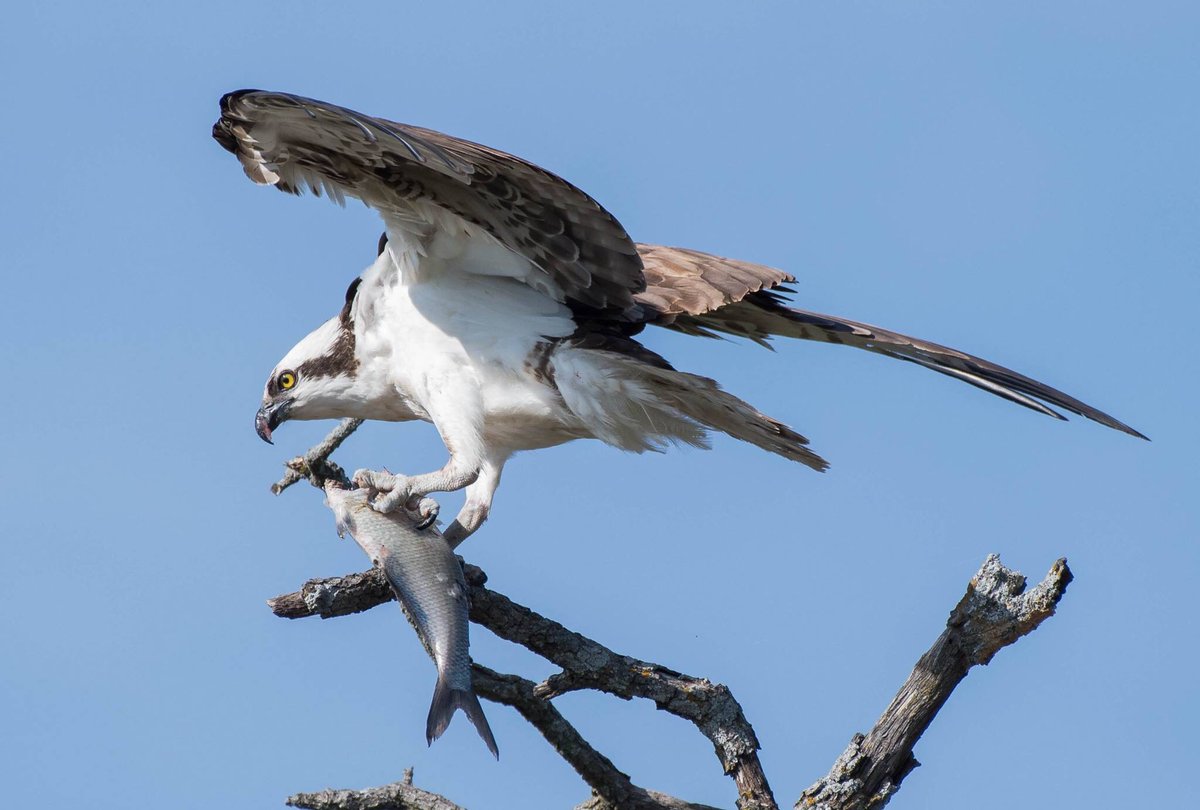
428	581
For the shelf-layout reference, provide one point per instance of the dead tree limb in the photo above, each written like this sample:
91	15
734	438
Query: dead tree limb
995	612
396	796
586	664
334	596
315	463
611	788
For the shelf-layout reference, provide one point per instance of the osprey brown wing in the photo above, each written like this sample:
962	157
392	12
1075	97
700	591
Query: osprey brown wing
295	143
706	295
682	282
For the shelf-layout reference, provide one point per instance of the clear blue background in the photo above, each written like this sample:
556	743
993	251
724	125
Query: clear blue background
1021	182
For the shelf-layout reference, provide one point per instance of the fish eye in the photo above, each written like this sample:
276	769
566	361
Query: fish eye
286	379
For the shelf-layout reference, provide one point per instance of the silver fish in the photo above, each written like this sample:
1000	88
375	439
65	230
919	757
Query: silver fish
428	581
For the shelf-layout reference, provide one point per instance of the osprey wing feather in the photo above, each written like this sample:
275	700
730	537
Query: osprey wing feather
294	143
700	294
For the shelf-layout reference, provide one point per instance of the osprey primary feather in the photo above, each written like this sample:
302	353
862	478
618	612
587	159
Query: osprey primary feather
504	304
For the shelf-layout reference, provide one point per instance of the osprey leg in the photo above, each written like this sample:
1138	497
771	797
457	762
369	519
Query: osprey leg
478	504
457	411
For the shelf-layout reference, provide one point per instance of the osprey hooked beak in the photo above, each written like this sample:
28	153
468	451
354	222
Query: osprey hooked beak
270	416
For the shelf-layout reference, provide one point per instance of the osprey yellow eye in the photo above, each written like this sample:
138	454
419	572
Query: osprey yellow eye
286	379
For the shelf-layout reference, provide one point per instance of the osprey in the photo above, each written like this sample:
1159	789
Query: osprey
504	304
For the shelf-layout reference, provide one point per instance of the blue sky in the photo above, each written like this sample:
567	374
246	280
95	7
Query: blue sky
1020	182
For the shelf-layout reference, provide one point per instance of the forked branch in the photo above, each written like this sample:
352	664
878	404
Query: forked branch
995	612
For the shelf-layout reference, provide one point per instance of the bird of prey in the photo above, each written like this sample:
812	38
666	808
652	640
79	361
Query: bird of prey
505	303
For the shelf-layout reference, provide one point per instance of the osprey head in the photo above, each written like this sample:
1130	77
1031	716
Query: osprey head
316	379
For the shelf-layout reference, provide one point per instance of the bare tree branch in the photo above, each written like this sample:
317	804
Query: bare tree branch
334	596
612	787
396	796
353	593
316	461
995	612
586	664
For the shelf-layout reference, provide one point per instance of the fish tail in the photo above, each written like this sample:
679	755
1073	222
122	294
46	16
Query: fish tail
445	700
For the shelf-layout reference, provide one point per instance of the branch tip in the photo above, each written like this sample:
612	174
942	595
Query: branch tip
996	610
